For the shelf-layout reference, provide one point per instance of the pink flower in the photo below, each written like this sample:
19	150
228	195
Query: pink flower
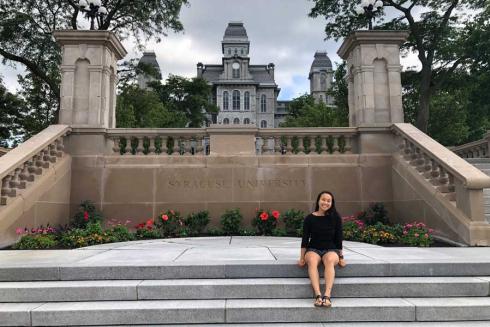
416	234
85	215
19	230
405	232
149	222
426	235
172	212
275	214
164	217
431	230
264	216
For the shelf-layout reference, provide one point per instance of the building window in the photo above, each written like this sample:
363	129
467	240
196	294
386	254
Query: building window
226	121
225	100
263	124
246	100
236	121
246	121
263	103
236	100
241	51
229	51
236	69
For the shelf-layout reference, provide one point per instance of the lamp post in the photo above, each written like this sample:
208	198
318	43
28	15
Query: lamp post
93	9
369	8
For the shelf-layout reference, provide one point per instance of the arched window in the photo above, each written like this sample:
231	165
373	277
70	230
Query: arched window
225	100
236	100
226	121
246	100
263	124
236	121
236	70
246	121
229	51
263	103
236	51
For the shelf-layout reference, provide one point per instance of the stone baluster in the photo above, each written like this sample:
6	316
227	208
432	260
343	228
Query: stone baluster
277	145
15	181
289	145
7	191
335	144
43	160
435	172
301	148
408	151
451	196
176	148
199	146
264	149
323	144
26	175
348	144
139	146
163	146
425	165
312	147
187	142
116	145
443	180
151	147
51	150
415	157
60	147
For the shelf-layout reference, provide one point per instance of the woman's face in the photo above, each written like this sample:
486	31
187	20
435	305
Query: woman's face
325	202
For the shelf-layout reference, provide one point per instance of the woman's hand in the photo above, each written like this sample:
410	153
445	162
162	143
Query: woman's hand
342	262
301	262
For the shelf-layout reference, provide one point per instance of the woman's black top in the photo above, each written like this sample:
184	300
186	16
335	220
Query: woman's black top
322	232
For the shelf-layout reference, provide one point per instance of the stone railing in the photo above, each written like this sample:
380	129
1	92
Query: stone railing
476	149
22	165
449	174
163	141
302	141
196	141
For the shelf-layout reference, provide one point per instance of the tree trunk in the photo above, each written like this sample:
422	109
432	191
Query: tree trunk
425	91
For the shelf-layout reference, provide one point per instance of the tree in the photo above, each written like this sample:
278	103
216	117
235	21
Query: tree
26	28
339	92
187	96
138	108
444	36
308	113
12	110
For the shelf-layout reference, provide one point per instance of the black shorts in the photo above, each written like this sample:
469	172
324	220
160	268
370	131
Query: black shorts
321	253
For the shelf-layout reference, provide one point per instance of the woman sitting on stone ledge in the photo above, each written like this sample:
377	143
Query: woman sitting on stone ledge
322	242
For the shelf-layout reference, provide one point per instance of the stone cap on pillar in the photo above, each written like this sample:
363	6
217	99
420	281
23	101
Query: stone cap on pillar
107	38
371	37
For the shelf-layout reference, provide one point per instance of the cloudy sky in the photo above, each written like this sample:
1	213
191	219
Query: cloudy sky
279	31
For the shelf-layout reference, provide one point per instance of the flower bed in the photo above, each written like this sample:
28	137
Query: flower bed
370	226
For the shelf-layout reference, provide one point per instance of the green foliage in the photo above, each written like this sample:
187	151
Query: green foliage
230	222
352	230
137	108
86	214
293	221
376	213
36	242
378	234
213	231
196	222
417	234
188	97
247	232
92	234
304	112
339	92
265	221
170	223
120	233
12	115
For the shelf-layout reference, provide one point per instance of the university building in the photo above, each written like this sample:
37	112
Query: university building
247	94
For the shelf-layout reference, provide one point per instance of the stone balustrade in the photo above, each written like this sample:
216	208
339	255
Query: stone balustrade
457	180
296	141
476	149
196	141
21	166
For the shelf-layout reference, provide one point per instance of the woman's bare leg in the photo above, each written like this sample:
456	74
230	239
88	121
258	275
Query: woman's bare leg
313	260
330	260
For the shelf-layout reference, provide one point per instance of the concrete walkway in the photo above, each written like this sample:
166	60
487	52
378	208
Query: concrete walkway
238	249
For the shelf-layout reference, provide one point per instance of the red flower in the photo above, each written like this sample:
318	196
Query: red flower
142	225
85	215
264	216
149	222
275	214
164	217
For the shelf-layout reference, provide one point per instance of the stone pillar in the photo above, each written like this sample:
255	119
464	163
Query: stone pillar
89	77
373	74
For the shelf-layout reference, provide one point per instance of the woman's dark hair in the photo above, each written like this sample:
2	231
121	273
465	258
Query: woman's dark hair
332	208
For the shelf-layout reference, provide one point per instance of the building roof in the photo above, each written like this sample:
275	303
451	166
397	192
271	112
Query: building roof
150	58
321	61
235	30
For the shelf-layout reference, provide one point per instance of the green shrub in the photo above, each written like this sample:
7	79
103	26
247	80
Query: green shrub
196	222
86	214
376	213
36	241
279	232
212	231
230	222
265	221
417	234
120	233
247	232
352	230
92	234
378	234
169	223
293	221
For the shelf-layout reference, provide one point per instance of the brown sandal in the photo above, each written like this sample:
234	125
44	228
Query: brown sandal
326	302
318	301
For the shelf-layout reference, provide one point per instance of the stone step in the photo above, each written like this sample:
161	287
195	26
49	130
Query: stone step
397	267
466	323
186	289
243	311
477	160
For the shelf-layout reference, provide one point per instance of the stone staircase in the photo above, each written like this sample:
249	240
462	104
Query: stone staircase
244	294
484	165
